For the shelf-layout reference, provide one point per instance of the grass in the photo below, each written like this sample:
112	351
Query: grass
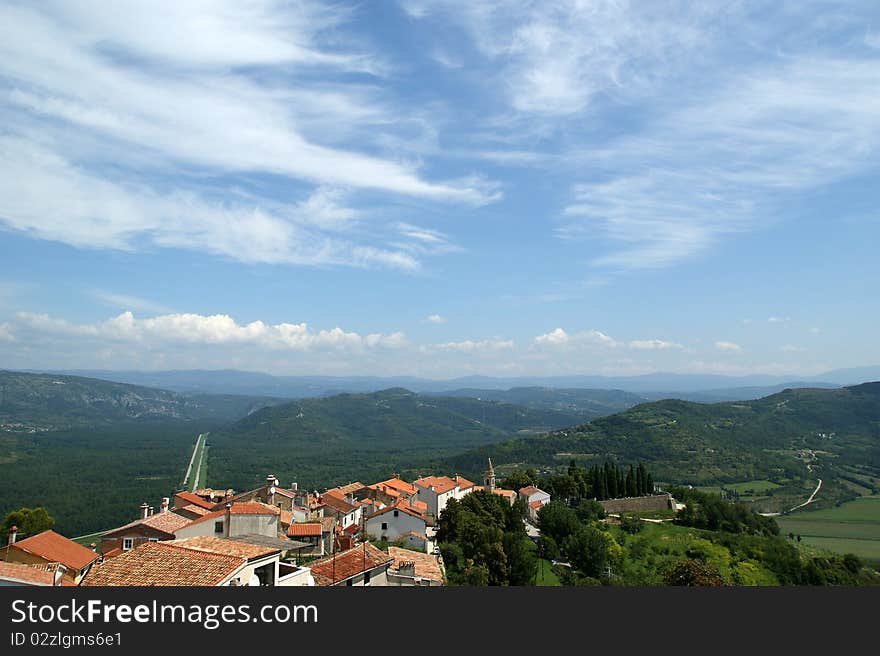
853	527
545	576
752	487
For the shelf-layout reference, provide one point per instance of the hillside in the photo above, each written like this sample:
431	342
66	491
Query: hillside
586	403
328	440
834	431
40	403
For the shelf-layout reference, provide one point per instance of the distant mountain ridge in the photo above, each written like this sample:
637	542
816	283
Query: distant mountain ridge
261	384
52	401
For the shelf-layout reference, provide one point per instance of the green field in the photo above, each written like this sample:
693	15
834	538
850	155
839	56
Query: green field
752	487
545	574
853	527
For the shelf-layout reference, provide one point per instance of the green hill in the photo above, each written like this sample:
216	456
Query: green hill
36	403
791	439
324	441
586	403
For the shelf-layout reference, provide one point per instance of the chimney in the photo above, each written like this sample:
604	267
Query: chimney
293	487
228	518
12	533
151	511
270	489
93	547
165	501
145	511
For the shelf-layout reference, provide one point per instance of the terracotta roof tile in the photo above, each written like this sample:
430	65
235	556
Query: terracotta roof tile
196	510
397	485
254	508
426	565
403	507
225	547
341	566
28	574
529	490
304	530
167	522
440	484
164	564
193	499
337	504
56	548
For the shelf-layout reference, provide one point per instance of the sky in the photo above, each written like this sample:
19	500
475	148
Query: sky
440	188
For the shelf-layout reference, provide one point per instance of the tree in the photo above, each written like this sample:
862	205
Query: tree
29	521
588	551
693	572
557	520
630	524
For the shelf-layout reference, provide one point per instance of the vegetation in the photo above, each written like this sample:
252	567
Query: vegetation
328	441
585	403
95	478
787	440
853	527
483	542
28	522
34	403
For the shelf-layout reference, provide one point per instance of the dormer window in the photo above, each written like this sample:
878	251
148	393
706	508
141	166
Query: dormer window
127	544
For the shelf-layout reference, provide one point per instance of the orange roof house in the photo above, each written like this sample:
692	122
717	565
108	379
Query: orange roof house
361	565
166	564
49	547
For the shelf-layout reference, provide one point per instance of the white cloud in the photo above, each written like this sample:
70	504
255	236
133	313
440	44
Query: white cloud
6	333
469	346
791	348
218	329
778	319
102	109
558	337
815	331
654	344
435	318
728	346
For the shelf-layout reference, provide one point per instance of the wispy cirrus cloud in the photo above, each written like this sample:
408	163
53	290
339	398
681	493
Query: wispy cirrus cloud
435	318
153	118
728	346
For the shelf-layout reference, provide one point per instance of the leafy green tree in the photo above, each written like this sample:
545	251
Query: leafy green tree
589	510
588	551
557	520
547	548
518	479
630	524
29	521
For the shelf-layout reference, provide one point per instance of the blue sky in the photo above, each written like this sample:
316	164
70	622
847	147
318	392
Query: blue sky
440	188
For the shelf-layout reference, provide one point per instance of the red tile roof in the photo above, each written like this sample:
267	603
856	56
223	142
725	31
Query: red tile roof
341	566
536	504
440	484
304	530
113	553
397	485
55	548
167	522
529	490
286	518
194	509
254	508
193	499
226	547
27	574
403	507
426	565
339	505
164	564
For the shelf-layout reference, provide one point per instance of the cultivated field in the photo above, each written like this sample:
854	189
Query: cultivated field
853	527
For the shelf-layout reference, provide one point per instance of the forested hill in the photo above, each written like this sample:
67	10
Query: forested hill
585	403
835	431
36	402
322	441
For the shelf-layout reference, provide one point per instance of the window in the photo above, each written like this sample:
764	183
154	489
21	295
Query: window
127	544
384	526
218	527
367	578
349	582
396	513
154	539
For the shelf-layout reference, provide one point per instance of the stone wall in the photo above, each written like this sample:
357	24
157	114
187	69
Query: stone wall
639	504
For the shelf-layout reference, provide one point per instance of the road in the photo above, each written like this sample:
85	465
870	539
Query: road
192	458
202	455
811	499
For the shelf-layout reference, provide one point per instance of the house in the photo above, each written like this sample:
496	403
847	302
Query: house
413	540
411	568
394	521
346	514
249	517
436	491
149	528
261	567
311	534
535	499
50	548
168	564
32	575
271	493
390	490
363	565
186	499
